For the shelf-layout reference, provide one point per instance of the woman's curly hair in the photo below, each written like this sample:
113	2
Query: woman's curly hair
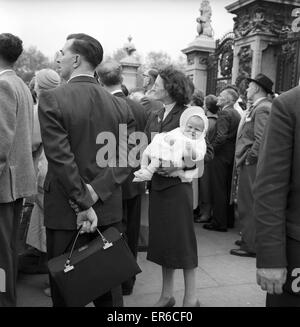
176	84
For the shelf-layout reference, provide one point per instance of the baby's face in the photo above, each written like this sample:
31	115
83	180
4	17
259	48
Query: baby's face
194	127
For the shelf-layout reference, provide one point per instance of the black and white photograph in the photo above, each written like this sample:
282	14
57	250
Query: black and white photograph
148	156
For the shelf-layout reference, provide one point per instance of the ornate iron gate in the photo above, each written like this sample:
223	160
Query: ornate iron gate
220	65
288	63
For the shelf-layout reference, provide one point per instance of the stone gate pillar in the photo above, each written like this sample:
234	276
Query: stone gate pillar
130	65
258	25
197	52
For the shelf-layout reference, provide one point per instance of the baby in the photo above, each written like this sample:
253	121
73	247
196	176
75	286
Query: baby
182	147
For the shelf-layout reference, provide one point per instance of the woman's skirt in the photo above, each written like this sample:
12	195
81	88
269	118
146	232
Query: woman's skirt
172	239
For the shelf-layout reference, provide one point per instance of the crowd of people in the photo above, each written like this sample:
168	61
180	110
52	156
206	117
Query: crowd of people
241	154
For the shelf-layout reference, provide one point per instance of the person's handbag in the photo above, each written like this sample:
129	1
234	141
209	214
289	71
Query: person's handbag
84	274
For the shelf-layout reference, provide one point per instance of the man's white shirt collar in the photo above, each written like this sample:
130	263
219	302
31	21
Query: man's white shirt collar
87	75
168	109
116	91
6	70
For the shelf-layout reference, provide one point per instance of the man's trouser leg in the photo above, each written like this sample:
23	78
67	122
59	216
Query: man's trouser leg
220	178
245	207
205	192
10	215
132	222
57	243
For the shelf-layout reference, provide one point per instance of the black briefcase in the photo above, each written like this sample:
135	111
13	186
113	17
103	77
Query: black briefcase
86	273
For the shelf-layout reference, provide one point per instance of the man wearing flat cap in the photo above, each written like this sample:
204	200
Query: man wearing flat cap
249	137
72	116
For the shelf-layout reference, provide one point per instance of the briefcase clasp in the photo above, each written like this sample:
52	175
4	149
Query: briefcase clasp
68	268
107	245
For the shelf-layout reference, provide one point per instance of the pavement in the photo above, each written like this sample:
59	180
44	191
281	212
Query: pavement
223	280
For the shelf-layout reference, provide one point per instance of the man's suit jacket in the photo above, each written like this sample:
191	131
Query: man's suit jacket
17	175
156	125
224	139
277	184
251	132
130	189
76	120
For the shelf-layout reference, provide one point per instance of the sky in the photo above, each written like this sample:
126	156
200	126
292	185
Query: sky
156	25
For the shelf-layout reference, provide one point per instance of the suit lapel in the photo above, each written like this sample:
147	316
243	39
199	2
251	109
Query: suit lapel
169	118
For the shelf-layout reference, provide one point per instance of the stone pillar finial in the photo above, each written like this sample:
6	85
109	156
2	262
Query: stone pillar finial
130	64
129	47
204	21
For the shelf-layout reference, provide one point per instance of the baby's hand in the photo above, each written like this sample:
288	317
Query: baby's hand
169	140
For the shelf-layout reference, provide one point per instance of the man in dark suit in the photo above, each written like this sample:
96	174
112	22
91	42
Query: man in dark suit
277	203
149	77
110	73
17	175
249	137
223	143
76	120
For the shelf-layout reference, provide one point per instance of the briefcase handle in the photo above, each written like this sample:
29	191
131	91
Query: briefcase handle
106	245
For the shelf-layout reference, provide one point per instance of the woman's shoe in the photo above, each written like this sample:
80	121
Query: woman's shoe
168	304
197	304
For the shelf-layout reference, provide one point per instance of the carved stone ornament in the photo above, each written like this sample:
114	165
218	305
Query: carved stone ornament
261	18
204	21
190	60
129	47
245	61
203	61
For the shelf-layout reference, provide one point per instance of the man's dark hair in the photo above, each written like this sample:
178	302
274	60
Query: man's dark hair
110	73
176	84
153	73
88	47
11	47
198	98
211	103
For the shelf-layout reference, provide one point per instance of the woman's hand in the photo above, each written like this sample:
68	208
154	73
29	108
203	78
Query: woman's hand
167	170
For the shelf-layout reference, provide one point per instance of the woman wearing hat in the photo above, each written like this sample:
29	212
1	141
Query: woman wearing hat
45	79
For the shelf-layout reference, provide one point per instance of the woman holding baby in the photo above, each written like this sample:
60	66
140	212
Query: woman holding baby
172	239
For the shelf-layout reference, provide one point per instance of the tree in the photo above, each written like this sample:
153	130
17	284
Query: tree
180	63
117	55
30	61
157	59
160	59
